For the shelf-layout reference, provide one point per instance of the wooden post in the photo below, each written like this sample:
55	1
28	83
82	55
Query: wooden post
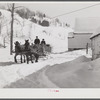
87	48
11	35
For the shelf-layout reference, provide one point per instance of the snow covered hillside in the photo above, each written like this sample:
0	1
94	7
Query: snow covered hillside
57	37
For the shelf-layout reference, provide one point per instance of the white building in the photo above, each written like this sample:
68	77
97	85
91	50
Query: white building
84	28
95	43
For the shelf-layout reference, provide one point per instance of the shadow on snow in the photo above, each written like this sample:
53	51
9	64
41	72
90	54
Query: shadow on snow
7	63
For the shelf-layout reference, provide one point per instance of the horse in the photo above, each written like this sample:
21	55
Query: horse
19	50
31	51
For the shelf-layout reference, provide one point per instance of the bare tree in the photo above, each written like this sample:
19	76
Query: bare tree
12	21
11	8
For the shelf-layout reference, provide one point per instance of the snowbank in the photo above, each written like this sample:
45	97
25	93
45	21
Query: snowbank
79	73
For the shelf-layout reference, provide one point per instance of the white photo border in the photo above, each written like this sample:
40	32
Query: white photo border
49	93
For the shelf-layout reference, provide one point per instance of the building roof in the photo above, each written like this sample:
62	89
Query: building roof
86	24
96	33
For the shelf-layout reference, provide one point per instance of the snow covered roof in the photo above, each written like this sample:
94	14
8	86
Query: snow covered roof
86	24
95	33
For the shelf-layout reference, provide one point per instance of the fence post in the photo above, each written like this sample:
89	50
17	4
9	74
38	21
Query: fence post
87	48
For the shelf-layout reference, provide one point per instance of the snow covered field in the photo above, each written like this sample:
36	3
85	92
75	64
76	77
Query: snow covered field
11	72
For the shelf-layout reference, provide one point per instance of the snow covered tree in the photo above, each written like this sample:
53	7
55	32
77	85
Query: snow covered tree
3	25
39	14
45	23
22	13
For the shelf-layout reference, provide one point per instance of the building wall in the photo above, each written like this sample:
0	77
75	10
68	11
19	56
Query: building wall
95	45
79	41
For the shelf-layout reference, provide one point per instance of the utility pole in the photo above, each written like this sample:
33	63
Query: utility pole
11	35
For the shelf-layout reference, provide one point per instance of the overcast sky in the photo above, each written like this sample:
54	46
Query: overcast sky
53	9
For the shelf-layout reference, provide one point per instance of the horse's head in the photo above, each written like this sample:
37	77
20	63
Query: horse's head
27	45
17	43
26	41
17	46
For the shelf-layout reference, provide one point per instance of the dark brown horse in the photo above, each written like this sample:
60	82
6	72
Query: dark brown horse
19	50
31	51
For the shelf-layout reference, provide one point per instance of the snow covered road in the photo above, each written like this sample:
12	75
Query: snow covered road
11	72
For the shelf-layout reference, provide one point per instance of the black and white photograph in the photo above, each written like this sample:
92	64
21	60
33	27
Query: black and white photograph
49	45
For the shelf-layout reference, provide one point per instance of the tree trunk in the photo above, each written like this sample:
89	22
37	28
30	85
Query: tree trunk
11	37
